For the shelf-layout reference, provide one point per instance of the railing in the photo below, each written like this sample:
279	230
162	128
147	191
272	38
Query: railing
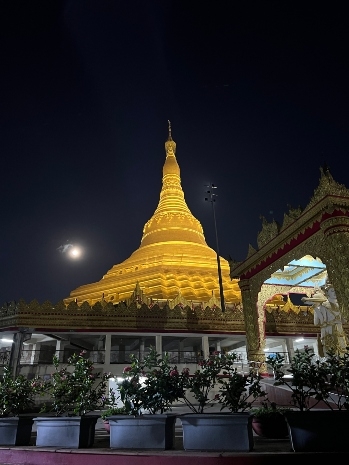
5	357
178	356
123	356
45	357
96	356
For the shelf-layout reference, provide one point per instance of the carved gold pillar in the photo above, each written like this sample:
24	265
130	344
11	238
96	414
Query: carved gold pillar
335	250
254	326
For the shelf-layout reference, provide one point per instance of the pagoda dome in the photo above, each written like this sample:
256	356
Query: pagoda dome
173	257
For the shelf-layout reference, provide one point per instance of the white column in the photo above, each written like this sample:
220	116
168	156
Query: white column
284	345
60	349
34	357
107	349
205	346
290	349
181	351
158	344
316	348
141	348
218	346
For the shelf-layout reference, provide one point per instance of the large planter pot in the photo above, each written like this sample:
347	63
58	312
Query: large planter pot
15	431
270	427
318	430
144	432
217	431
66	432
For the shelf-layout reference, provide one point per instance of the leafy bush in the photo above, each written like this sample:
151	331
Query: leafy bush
237	391
75	389
150	385
309	381
17	395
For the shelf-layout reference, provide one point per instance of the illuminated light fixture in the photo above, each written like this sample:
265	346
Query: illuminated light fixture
6	340
299	339
266	350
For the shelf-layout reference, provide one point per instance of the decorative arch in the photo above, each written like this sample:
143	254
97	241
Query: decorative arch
321	231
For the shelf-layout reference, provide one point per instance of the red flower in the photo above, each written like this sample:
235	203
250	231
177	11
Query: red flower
174	373
127	369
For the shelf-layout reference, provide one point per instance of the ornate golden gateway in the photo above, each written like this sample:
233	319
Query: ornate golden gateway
320	230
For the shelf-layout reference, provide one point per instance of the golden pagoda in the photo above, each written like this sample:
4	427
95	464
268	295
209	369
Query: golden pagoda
173	258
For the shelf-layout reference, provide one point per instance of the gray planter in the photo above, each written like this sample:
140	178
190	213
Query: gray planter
217	431
318	430
144	432
16	431
66	432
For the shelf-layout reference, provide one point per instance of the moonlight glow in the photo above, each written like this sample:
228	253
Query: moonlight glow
75	252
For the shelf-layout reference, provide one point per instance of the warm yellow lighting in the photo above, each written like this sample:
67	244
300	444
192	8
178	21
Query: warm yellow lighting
173	257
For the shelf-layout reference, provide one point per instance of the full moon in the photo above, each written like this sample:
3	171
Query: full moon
75	252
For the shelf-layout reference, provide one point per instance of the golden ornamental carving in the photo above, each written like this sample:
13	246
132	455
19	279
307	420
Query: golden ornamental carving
252	327
290	322
300	235
292	215
268	232
251	251
335	225
159	317
335	250
179	301
329	197
327	186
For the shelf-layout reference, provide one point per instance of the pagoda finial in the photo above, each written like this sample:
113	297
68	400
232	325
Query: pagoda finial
169	130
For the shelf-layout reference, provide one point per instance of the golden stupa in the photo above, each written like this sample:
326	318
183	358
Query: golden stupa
173	258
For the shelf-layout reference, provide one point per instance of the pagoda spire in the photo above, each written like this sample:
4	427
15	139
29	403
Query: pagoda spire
169	130
172	217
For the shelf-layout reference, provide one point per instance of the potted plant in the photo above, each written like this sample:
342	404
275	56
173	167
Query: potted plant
318	392
17	403
218	383
269	421
75	391
147	391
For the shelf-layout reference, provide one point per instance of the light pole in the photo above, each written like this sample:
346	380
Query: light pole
212	199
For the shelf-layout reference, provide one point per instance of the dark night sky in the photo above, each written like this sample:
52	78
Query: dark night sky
257	93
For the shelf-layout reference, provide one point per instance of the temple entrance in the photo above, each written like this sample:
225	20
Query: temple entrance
309	249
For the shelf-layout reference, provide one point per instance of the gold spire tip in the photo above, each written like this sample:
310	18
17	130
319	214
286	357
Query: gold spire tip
169	130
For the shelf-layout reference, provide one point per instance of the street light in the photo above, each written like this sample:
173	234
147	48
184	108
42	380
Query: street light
212	199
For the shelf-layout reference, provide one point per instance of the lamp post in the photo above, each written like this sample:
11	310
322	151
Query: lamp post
212	199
